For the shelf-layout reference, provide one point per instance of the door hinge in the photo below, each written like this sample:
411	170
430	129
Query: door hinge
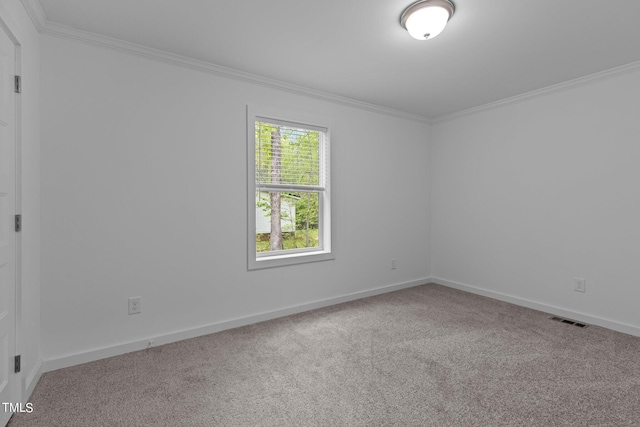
18	84
18	223
16	364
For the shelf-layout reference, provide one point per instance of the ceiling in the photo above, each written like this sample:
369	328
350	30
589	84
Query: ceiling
491	49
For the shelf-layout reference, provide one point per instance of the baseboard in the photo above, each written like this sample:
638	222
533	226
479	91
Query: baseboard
102	353
547	308
32	380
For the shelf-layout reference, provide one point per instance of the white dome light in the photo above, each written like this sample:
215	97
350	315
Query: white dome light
426	19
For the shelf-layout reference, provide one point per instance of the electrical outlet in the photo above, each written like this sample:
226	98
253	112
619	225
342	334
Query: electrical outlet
393	263
135	305
579	285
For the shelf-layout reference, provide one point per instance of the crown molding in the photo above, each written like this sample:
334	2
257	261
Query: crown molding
36	13
560	87
63	31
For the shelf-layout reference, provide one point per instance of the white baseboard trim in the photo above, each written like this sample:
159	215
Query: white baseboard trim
32	380
547	308
115	350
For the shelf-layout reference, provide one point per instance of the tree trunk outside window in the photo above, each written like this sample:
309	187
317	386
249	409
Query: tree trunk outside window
275	238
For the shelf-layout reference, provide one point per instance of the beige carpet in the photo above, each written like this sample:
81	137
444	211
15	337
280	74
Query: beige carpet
425	356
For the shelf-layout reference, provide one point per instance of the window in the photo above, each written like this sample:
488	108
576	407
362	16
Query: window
289	220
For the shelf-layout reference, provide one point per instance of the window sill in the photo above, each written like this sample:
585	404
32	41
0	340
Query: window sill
289	259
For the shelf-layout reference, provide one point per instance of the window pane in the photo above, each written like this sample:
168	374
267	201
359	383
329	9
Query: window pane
287	155
286	220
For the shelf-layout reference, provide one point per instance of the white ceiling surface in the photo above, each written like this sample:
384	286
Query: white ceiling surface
491	49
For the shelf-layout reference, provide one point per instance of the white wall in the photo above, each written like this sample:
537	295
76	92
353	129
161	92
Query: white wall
527	196
144	193
15	15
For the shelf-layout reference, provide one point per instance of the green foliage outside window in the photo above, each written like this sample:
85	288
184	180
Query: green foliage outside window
290	156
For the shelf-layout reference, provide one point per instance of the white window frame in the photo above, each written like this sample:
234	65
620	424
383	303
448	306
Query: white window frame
256	260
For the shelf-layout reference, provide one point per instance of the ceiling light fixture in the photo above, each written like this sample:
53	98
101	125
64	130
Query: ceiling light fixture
426	19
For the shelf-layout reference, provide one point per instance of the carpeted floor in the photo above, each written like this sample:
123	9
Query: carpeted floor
425	356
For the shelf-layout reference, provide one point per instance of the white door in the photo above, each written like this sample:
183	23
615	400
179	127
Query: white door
8	379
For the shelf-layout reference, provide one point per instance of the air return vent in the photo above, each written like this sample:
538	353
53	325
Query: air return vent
569	321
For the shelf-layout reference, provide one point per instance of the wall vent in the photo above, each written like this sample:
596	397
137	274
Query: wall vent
569	321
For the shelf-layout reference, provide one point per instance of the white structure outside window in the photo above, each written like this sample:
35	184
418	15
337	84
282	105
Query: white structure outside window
289	197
